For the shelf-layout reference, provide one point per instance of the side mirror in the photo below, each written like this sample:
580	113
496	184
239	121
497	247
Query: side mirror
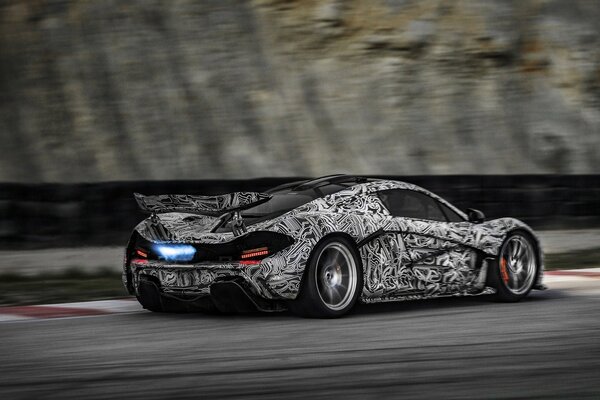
475	216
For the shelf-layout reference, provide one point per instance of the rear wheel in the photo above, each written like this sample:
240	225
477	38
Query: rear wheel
332	281
517	268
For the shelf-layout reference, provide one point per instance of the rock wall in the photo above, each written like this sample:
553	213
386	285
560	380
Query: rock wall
186	89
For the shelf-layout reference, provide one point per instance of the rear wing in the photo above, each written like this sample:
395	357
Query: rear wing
205	205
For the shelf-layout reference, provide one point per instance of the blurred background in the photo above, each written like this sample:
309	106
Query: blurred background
158	90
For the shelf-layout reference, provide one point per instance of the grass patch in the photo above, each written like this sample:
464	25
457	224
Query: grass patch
589	258
68	286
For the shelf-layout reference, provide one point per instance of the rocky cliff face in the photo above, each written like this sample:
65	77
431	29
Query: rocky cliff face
117	90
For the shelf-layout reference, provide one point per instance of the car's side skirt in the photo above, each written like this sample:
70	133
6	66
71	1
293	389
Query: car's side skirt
367	300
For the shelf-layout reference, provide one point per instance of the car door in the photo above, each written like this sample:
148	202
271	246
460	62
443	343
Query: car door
434	238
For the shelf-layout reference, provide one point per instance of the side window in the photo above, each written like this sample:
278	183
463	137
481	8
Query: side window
451	214
410	204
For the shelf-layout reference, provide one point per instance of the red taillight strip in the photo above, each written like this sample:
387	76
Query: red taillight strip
250	262
261	251
141	253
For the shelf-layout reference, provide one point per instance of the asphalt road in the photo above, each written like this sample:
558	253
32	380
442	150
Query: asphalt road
547	346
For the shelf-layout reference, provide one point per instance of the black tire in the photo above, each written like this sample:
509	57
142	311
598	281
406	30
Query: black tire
512	277
149	295
333	271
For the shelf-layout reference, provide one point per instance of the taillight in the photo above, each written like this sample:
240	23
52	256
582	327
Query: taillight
250	262
253	256
140	256
141	253
247	249
254	253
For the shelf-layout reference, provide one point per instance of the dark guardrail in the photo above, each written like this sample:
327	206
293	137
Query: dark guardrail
48	215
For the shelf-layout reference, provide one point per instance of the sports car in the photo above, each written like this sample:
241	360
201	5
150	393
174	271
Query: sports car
318	247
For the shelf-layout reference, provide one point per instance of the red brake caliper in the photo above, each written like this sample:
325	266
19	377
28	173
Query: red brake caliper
503	271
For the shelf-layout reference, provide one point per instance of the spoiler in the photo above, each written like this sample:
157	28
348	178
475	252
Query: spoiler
206	205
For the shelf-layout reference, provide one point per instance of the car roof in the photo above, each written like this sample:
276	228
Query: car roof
342	186
304	184
319	187
342	181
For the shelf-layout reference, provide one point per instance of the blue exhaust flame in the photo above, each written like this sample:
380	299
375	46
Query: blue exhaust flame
175	252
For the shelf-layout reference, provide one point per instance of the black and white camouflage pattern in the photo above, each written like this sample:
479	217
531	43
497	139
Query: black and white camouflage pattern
402	258
211	205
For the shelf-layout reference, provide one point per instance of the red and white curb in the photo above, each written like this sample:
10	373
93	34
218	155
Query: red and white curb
130	305
82	309
571	275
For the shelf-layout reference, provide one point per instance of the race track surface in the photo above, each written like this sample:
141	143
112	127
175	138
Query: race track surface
547	347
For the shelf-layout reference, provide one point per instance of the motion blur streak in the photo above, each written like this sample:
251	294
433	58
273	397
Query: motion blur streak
547	346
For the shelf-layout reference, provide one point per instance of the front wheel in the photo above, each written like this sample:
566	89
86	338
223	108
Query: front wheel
517	268
332	281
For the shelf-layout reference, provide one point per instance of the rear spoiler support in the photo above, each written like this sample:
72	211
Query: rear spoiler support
237	224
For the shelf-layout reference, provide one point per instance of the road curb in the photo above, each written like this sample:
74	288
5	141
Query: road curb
587	273
64	310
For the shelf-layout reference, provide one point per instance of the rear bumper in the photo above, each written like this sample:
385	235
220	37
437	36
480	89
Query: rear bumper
228	296
198	280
